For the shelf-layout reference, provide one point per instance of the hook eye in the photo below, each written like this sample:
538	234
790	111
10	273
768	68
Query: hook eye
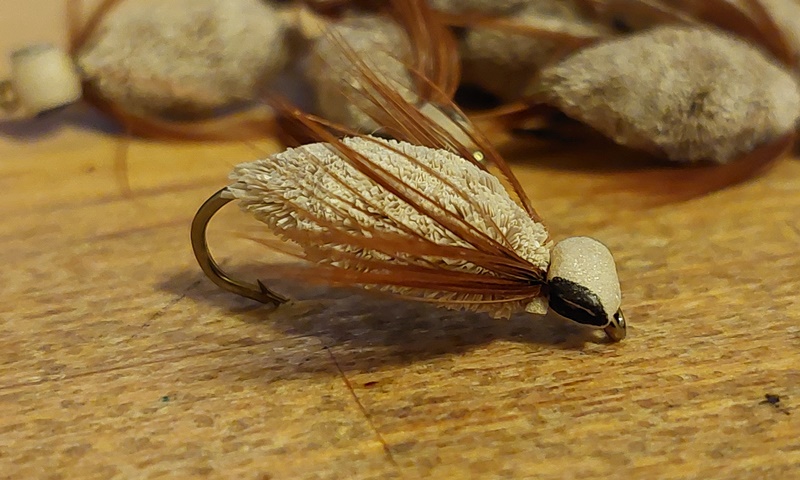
258	291
618	329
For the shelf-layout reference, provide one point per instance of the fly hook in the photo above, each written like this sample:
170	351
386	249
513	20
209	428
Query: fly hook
258	292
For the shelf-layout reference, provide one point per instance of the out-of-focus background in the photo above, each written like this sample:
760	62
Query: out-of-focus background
24	22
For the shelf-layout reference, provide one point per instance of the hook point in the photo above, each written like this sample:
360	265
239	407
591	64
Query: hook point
258	292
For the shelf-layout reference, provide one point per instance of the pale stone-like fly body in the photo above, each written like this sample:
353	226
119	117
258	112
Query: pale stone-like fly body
687	93
183	57
685	80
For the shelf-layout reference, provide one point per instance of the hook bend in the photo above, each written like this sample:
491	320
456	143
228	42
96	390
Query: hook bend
258	291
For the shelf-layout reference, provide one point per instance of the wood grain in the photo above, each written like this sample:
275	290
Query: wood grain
118	359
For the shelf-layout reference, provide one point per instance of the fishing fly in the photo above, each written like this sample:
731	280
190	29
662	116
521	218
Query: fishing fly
428	211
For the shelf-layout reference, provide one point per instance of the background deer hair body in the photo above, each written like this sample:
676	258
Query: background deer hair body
734	65
537	57
196	68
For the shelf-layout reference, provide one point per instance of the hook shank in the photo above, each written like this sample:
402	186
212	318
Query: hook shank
258	291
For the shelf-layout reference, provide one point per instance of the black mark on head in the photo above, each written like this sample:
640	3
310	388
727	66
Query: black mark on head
577	303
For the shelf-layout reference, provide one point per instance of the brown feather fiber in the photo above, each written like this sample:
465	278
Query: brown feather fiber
755	24
79	30
412	267
433	47
447	219
252	124
471	20
404	121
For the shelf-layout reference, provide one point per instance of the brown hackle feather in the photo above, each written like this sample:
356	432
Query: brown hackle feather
668	185
250	124
411	256
753	24
404	121
403	35
433	47
448	219
78	29
409	249
411	267
570	40
443	288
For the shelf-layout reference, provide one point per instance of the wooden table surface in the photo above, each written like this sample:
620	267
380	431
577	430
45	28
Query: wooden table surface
119	359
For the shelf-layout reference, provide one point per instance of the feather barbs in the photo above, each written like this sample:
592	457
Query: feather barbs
357	231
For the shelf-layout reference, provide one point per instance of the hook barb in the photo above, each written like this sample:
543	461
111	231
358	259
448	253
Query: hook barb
258	291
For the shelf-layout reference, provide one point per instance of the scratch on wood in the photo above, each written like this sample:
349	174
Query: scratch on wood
202	184
169	304
790	231
361	407
118	368
134	230
121	164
